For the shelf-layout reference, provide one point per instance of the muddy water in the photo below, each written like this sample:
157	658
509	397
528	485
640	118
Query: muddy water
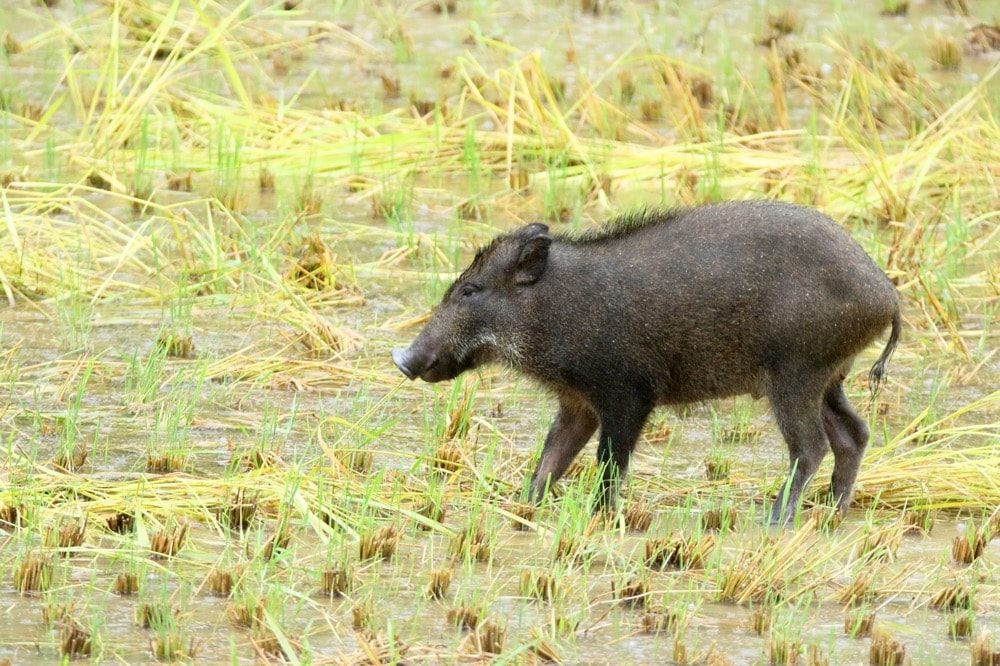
51	341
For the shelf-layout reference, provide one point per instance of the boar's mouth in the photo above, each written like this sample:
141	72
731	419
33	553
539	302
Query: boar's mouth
429	367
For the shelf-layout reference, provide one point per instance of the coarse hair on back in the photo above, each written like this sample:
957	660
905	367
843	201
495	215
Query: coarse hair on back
624	224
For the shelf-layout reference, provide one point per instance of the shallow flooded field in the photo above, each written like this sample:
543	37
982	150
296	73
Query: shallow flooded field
217	219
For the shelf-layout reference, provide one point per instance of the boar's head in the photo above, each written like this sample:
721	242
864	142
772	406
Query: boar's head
482	316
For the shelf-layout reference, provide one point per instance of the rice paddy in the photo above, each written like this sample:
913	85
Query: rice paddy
216	220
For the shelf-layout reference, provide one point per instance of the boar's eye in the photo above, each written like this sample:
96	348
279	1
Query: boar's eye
469	289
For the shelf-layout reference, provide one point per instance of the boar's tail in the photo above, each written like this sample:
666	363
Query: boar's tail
877	374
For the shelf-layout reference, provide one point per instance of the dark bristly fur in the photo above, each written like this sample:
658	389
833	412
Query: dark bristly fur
671	307
625	224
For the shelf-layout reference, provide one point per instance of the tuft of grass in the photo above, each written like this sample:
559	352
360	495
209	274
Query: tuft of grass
537	584
721	518
760	620
624	87
778	25
895	7
880	543
784	22
121	522
359	461
465	616
445	7
631	590
678	551
363	613
864	587
824	519
473	543
175	345
169	540
717	466
946	53
265	180
858	623
594	7
246	609
11	516
459	411
75	641
659	621
740	434
771	570
447	458
392	202
953	598
155	614
375	647
66	535
885	650
314	266
54	614
239	510
275	544
126	584
918	521
433	510
11	45
982	39
968	547
171	640
960	7
219	582
33	573
960	625
172	645
165	463
380	543
437	586
337	582
179	182
522	515
816	655
487	638
783	649
638	516
984	651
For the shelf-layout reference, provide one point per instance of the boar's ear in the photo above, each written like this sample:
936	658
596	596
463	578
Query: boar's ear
534	254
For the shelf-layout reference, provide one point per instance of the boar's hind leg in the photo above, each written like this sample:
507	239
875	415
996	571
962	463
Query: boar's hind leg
574	425
796	408
621	426
848	436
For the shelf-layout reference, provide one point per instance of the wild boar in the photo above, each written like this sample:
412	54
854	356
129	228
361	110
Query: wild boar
666	307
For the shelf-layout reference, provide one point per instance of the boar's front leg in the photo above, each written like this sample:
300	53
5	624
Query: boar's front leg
621	425
574	425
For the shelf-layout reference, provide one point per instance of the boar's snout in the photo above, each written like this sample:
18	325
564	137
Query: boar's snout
401	357
413	365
